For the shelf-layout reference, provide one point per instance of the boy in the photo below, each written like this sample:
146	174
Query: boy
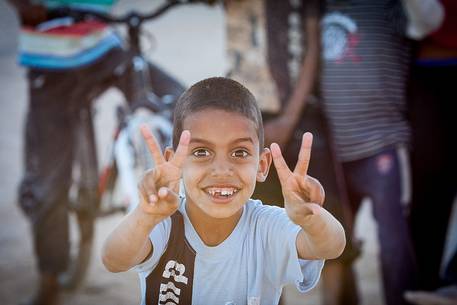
217	246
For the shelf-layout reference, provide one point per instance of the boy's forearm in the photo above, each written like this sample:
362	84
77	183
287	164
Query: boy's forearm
308	73
129	244
322	237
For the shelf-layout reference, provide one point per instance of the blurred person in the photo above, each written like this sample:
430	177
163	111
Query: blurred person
432	98
363	83
56	93
274	49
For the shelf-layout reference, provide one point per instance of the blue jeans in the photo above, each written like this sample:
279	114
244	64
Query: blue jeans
379	178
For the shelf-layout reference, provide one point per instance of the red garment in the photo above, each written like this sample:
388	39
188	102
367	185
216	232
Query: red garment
446	35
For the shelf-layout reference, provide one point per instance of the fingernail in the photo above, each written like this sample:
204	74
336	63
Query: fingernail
143	128
152	198
163	192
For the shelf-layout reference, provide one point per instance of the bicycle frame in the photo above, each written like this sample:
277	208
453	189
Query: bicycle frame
138	94
134	78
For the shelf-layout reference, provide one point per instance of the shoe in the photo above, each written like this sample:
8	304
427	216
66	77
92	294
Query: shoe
442	296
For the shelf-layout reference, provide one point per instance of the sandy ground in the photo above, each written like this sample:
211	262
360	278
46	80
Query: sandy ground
189	41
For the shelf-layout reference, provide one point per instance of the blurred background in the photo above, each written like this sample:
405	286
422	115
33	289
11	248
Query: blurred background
189	43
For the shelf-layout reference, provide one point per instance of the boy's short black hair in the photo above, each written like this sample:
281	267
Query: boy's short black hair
217	93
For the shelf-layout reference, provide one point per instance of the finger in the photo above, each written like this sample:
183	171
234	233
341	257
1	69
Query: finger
303	209
317	191
305	155
147	195
168	199
163	192
313	190
310	209
280	164
167	194
153	198
147	184
154	148
181	151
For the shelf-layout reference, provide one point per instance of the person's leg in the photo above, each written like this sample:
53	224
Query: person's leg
378	177
433	166
55	99
355	197
43	191
447	293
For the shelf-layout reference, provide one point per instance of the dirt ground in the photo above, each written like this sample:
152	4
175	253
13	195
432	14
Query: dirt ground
203	41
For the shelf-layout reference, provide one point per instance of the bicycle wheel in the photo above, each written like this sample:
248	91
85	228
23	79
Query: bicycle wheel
132	155
84	203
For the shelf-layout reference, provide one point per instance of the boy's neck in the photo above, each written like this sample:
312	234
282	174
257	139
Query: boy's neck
212	231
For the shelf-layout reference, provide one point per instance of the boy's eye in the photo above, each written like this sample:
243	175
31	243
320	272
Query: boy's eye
240	153
200	153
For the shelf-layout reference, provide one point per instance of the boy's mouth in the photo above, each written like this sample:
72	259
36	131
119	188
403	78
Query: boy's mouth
221	192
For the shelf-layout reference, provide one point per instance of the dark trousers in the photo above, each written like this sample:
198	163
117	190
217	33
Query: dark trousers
434	164
55	98
379	178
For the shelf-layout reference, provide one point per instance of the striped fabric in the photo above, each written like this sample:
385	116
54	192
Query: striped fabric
364	71
97	5
83	58
63	43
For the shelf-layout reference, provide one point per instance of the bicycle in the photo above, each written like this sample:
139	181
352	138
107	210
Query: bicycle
128	154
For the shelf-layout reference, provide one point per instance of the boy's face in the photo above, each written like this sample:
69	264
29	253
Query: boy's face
223	162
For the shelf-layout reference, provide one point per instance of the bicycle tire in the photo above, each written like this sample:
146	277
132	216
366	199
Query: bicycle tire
132	154
84	204
85	208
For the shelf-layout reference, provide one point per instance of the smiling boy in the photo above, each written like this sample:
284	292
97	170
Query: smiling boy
216	245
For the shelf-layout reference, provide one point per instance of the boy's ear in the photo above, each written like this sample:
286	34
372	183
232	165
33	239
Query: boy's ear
264	165
168	153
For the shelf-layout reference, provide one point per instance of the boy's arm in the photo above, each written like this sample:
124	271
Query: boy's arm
322	236
129	244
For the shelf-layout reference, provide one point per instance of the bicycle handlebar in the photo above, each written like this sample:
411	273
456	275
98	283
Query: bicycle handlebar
132	18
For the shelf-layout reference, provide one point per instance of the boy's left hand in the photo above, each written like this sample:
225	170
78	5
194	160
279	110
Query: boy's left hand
303	194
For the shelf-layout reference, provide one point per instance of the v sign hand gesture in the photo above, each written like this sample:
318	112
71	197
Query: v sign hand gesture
303	195
129	243
159	186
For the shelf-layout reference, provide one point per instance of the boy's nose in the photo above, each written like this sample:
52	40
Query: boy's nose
221	168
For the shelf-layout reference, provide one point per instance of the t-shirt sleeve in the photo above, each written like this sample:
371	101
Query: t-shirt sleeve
159	238
283	264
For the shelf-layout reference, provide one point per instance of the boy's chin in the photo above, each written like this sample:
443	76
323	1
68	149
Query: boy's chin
219	214
221	211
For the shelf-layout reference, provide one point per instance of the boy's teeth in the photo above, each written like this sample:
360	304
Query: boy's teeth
222	192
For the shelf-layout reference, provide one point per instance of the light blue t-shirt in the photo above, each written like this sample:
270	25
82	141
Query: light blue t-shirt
250	267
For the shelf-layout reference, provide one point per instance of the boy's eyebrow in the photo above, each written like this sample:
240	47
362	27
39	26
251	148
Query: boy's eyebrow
246	139
199	140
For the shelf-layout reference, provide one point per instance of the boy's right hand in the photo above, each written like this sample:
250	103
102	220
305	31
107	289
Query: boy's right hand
159	186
